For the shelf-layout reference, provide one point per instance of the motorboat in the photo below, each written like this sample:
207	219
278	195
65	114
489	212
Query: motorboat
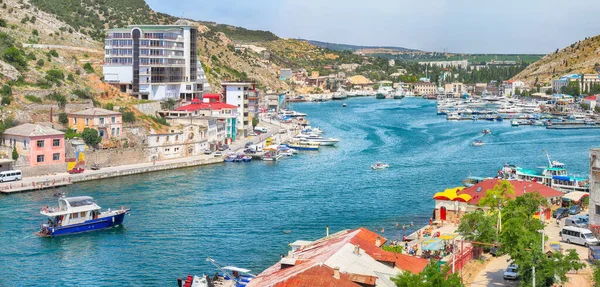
340	94
317	139
453	117
228	276
304	145
344	105
477	143
379	165
78	214
273	155
589	122
486	132
514	123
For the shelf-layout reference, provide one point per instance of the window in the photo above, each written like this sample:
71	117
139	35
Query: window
101	133
188	87
40	158
24	143
56	156
112	132
82	214
74	120
87	121
40	143
101	121
239	89
176	149
74	215
113	119
56	142
118	131
597	209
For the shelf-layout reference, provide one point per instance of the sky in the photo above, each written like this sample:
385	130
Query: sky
465	26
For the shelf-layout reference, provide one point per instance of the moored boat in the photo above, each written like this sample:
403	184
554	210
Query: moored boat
76	215
304	145
379	165
477	143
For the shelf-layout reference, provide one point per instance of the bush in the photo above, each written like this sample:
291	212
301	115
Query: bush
33	99
6	100
159	120
71	134
35	32
88	68
55	76
128	116
15	154
63	119
109	106
60	99
91	137
31	56
2	23
15	57
40	63
53	53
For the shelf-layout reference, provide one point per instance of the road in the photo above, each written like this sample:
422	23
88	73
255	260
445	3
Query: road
43	46
492	274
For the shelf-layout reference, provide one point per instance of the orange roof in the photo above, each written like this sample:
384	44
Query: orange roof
320	275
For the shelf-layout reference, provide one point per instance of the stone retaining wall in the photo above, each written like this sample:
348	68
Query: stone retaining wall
150	109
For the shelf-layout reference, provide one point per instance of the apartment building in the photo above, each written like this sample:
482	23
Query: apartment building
238	94
154	62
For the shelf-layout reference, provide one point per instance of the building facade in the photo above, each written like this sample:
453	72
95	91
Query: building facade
424	88
39	145
238	94
109	124
191	140
154	62
455	88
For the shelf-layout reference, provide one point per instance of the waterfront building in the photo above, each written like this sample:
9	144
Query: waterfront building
595	191
238	94
36	144
564	81
154	62
347	258
511	86
462	64
109	124
359	82
190	140
452	203
591	101
588	81
457	89
424	88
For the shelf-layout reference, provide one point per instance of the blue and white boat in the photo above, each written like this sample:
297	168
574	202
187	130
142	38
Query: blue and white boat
76	215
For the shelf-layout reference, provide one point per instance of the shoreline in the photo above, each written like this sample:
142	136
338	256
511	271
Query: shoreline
59	180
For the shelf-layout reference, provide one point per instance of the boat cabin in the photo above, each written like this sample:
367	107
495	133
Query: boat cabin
71	210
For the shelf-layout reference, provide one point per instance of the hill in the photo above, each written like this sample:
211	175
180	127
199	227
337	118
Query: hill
580	57
354	48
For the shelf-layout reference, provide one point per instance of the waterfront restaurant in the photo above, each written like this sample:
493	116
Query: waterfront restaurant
452	203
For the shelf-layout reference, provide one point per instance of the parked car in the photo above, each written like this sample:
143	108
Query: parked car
76	170
511	273
248	144
95	167
11	175
207	151
218	154
560	213
575	209
252	134
249	151
282	131
225	146
594	254
576	235
576	221
260	129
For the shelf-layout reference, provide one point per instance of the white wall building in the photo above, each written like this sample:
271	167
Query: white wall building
154	62
237	94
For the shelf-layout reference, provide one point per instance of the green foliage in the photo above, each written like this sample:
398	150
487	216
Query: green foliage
6	95
255	122
32	19
128	116
240	34
91	137
432	276
170	104
63	119
499	196
584	106
110	106
478	226
71	134
60	99
71	78
88	68
54	76
159	120
596	274
2	23
571	89
33	99
31	56
15	154
7	124
395	249
53	53
522	241
15	57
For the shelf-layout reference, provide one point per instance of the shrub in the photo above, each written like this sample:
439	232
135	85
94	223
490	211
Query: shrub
159	120
128	116
40	63
43	84
2	23
60	99
71	78
109	106
15	57
15	154
33	99
32	20
53	53
88	68
71	134
31	56
6	90
91	137
7	99
55	76
63	119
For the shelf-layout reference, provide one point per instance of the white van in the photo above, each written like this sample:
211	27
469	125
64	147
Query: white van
256	148
10	175
261	129
577	235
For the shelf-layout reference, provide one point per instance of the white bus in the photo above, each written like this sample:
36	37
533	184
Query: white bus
576	235
10	175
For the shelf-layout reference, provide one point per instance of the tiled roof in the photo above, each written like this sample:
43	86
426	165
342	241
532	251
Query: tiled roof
95	112
199	105
477	192
319	275
32	130
340	250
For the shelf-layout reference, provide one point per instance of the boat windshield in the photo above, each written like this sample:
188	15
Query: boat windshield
80	201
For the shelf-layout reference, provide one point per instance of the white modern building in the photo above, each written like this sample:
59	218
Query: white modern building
237	94
154	62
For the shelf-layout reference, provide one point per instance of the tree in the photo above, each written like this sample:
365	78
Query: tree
110	106
88	68
596	274
15	154
255	122
478	226
63	119
15	57
55	76
91	137
498	197
128	116
431	276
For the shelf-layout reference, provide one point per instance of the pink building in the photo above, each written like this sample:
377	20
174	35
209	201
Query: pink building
39	144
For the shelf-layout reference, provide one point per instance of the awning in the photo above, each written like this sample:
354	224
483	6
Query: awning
575	196
448	236
451	194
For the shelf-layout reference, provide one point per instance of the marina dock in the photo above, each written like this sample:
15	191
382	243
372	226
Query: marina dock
573	127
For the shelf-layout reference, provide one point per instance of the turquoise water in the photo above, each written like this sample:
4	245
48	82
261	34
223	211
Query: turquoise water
236	213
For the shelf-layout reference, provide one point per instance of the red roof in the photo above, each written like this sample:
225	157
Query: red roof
319	275
320	251
590	98
212	96
477	192
197	104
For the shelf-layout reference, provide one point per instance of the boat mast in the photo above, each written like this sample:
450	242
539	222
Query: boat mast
548	157
222	270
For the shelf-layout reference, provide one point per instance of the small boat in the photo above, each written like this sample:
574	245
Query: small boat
486	132
229	276
304	145
514	123
271	156
379	165
344	105
453	117
477	143
231	158
398	97
76	215
247	158
590	122
380	96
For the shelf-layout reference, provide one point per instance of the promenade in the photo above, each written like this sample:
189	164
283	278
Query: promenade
64	179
